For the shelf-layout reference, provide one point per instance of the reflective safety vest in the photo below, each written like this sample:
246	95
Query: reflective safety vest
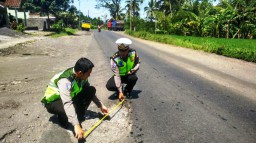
52	91
125	67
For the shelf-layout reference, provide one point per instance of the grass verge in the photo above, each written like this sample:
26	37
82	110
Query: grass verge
244	49
67	31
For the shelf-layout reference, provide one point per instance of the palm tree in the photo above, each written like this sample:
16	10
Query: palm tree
150	9
134	6
170	6
132	9
245	17
114	7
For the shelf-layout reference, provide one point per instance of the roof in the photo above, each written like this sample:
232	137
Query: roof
2	4
13	3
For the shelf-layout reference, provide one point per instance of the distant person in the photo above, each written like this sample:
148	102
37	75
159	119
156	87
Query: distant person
124	63
13	24
99	28
11	17
69	94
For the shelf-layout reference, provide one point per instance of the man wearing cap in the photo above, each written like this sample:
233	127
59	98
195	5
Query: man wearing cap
124	63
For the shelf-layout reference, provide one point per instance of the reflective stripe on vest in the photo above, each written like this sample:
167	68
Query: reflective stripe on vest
125	67
52	91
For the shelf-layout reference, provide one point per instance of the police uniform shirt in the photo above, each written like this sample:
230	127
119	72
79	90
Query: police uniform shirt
64	86
115	69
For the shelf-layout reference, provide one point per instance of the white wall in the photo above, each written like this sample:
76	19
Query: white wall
19	14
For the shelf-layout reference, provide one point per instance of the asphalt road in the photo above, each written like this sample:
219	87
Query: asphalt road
172	104
181	95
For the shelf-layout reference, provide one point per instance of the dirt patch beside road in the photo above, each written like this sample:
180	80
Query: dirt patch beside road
11	33
26	70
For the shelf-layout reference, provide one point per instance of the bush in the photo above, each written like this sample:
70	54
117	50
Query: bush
58	27
94	27
20	27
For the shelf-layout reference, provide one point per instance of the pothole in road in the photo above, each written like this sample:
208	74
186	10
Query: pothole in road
6	86
9	104
23	50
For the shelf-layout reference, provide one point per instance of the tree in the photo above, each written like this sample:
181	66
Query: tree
114	7
245	18
70	17
150	9
47	7
134	6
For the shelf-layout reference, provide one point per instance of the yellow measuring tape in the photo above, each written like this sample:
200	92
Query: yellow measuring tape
95	125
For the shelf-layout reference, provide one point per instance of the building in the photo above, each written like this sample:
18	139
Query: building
3	14
10	11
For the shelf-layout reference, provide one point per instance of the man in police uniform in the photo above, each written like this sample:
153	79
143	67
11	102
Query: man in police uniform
69	94
124	63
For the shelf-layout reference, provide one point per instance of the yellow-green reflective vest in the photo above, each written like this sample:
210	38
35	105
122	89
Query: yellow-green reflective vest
125	67
52	91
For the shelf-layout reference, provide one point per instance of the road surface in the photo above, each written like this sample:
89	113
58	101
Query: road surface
189	96
182	95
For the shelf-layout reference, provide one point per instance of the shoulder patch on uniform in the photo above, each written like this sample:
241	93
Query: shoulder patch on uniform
68	86
113	65
131	50
115	55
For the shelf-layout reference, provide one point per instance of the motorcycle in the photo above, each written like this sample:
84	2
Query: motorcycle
99	28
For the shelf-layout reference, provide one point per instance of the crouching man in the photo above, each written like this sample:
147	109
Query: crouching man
69	94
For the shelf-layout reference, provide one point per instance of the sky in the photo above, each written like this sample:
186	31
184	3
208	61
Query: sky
87	6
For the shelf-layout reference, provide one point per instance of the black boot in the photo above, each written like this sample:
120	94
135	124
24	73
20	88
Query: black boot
63	121
127	94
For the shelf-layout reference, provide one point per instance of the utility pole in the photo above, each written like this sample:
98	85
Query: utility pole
79	23
131	15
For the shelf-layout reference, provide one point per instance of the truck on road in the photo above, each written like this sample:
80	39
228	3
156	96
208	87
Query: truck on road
115	25
86	25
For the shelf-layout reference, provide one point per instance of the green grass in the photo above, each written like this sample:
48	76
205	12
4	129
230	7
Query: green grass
244	49
67	31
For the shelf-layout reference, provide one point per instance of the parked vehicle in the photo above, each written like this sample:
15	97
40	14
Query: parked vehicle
86	25
115	25
109	25
120	25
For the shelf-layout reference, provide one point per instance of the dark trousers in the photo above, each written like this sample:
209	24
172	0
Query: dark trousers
81	102
130	80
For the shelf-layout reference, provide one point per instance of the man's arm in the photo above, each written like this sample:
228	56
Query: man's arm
64	89
136	64
99	104
64	86
117	77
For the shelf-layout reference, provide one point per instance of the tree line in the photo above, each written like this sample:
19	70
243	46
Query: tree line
67	15
225	19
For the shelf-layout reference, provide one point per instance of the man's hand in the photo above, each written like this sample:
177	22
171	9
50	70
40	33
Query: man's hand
104	110
121	96
131	72
79	132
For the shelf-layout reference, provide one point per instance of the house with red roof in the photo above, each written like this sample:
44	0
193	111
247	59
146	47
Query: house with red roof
10	11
